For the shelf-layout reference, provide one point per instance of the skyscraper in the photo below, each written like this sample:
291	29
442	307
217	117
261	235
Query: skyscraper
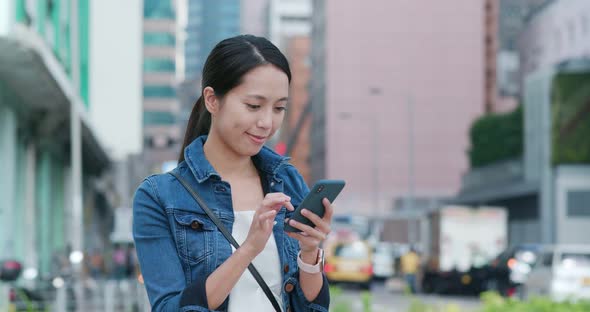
161	130
205	23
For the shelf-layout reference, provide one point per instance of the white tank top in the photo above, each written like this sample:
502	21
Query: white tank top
246	294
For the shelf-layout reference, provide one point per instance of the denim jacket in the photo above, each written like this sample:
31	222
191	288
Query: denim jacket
178	246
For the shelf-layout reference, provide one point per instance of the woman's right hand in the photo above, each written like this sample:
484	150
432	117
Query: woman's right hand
263	222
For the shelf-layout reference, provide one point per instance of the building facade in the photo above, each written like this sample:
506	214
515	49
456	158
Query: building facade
396	86
49	144
555	32
162	133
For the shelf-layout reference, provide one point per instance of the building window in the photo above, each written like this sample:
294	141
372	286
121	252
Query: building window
159	91
158	118
578	203
158	9
159	39
159	65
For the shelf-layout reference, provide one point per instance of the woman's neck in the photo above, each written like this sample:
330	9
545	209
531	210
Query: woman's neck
225	161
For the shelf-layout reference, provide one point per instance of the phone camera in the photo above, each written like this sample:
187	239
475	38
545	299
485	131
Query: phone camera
320	188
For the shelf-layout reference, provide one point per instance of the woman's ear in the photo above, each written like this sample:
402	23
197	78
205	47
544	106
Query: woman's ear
211	100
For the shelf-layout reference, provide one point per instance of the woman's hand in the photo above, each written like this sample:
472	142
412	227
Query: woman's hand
310	238
263	222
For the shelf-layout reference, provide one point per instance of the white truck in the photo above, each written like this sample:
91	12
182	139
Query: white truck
462	241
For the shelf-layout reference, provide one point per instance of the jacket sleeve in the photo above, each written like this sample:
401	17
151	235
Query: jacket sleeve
322	302
159	261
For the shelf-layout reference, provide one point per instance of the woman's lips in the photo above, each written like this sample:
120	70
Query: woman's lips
257	139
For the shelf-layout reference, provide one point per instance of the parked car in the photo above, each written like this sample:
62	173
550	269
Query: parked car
562	272
509	270
383	261
349	261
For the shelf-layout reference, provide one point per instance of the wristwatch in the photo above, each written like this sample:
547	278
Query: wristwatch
312	269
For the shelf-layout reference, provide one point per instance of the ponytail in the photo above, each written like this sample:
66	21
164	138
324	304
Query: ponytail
198	124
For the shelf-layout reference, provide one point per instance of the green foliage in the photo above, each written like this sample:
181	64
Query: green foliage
570	112
495	303
337	302
496	137
367	299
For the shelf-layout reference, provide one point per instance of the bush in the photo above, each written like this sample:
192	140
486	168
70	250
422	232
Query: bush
496	137
493	302
571	119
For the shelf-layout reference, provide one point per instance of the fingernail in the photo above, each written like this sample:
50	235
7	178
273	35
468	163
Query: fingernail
304	211
292	222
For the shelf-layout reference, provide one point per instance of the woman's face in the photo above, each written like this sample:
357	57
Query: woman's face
252	112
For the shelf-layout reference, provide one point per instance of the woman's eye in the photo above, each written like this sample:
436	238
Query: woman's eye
252	106
280	109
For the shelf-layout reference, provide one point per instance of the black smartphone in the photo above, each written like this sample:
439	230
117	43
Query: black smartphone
313	201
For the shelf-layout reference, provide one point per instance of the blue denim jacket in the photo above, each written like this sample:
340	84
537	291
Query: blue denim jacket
178	246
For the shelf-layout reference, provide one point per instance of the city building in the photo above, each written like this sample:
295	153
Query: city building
544	183
289	28
297	124
203	23
253	17
162	132
209	21
555	32
288	18
396	86
52	142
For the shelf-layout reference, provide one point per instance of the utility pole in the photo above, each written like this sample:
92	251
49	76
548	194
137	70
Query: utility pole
77	226
411	179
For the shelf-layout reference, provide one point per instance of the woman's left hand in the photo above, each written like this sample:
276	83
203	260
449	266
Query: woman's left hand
310	237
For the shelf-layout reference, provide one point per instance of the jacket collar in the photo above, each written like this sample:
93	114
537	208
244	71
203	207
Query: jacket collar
267	160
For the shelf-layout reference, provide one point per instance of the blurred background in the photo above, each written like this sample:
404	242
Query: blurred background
461	127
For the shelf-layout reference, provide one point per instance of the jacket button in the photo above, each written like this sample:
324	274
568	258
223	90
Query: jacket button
286	268
289	287
195	225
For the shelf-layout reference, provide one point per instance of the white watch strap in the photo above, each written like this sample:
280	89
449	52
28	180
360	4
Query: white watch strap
308	268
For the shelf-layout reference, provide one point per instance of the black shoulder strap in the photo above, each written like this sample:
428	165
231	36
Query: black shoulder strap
230	238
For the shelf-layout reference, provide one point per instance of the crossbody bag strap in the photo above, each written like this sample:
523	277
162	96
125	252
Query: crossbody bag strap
230	239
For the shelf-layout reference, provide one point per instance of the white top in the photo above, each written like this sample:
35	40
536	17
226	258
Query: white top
246	294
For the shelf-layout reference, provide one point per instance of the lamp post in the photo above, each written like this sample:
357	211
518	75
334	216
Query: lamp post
373	120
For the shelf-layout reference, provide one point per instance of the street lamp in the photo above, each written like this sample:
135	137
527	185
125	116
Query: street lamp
373	120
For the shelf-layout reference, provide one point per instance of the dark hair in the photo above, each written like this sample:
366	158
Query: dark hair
227	63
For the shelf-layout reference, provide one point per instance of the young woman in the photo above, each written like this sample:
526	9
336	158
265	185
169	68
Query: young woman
186	262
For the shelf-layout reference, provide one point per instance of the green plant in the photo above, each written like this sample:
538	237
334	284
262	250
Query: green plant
492	302
367	299
338	302
570	113
496	137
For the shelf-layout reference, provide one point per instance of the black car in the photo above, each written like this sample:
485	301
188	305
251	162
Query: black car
509	270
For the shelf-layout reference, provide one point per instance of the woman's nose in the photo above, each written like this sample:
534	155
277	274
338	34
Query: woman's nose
265	120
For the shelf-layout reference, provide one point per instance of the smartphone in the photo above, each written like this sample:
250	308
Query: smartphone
313	201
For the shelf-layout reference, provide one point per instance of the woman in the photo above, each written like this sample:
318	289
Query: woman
186	262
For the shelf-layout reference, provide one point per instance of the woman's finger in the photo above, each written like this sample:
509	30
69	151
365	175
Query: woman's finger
320	223
289	206
267	215
329	210
274	201
308	230
304	240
